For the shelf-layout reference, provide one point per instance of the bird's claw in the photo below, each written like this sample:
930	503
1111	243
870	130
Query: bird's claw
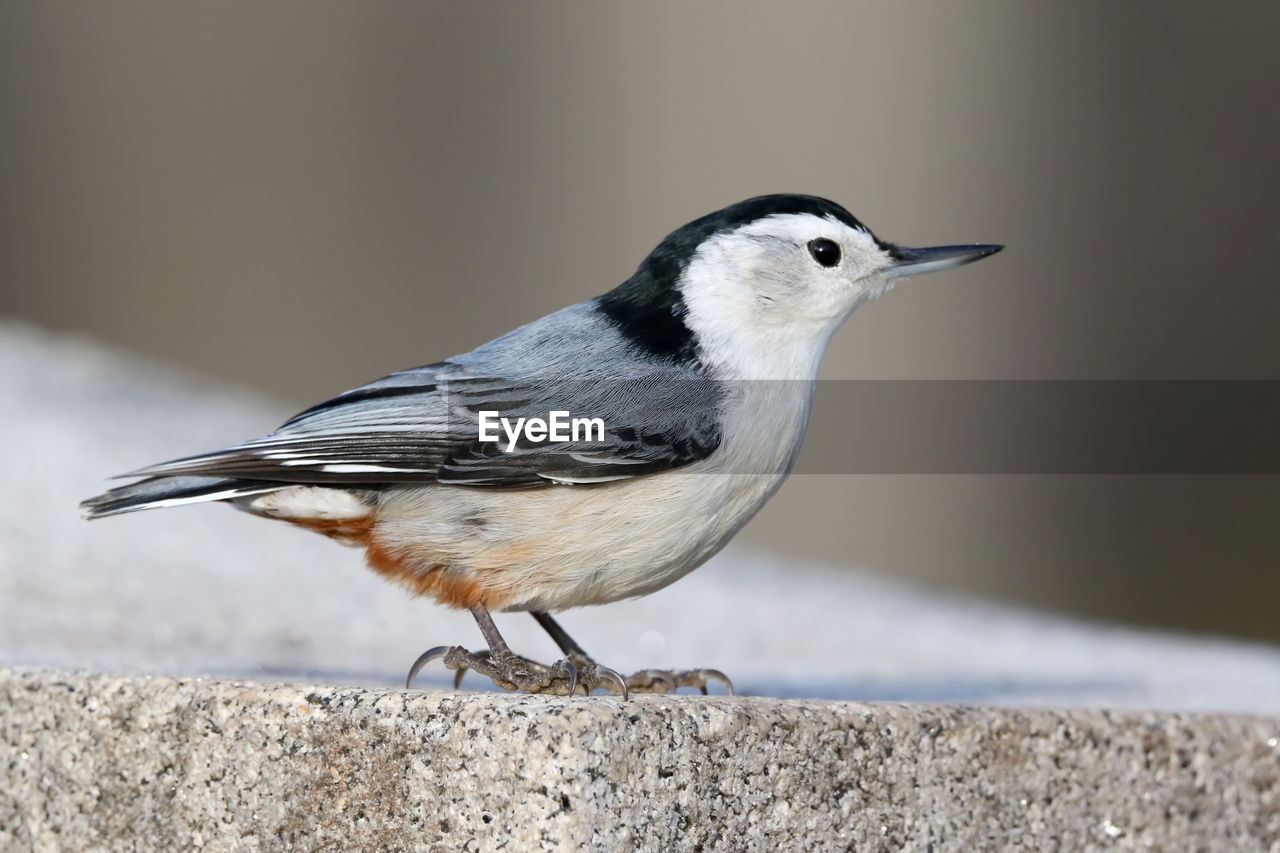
507	670
593	675
423	659
609	678
668	681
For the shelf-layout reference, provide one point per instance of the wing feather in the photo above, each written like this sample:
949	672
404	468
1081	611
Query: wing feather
421	425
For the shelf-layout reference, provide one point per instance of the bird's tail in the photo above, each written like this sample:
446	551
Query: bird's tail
156	492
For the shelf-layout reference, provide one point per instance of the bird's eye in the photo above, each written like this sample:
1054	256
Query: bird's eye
824	251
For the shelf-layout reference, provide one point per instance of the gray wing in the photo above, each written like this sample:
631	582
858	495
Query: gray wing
422	425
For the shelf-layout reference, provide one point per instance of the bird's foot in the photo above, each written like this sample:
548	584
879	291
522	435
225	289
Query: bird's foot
667	681
505	669
513	672
592	675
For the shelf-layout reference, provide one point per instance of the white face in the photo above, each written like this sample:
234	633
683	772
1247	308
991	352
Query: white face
765	298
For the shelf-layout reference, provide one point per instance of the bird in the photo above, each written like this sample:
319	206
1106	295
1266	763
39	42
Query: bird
693	380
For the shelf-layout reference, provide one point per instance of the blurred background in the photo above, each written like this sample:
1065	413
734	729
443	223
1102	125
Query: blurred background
302	196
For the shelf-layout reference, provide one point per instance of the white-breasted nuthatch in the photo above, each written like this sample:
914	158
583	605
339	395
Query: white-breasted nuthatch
692	382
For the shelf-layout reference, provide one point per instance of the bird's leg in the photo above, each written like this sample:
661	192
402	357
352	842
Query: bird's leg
592	675
503	666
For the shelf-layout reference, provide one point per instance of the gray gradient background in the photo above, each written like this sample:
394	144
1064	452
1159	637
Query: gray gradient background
303	196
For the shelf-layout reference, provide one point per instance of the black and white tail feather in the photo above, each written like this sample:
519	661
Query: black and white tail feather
160	492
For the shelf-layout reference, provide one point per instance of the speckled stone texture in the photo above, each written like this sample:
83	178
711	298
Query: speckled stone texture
104	762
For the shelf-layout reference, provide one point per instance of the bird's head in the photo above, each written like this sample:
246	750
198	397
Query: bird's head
759	287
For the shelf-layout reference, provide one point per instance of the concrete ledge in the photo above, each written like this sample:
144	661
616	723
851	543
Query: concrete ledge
158	763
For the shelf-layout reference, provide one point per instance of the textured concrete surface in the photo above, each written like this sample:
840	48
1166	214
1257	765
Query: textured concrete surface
163	764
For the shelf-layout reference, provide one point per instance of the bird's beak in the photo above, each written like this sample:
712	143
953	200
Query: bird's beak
909	261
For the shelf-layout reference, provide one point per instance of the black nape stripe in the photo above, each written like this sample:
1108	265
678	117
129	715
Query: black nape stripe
648	308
